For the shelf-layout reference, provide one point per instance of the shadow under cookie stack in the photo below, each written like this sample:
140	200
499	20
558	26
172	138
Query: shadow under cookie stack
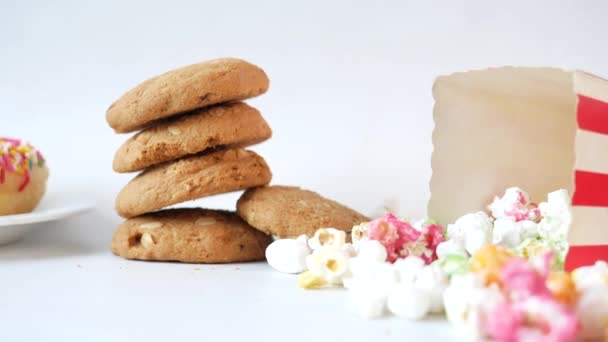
192	133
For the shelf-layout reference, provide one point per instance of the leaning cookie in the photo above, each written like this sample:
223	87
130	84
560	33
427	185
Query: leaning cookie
229	124
285	211
184	89
189	235
192	178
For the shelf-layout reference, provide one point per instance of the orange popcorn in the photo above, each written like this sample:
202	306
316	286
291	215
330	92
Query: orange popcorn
489	261
562	287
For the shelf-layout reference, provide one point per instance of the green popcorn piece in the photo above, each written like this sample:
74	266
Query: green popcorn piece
455	264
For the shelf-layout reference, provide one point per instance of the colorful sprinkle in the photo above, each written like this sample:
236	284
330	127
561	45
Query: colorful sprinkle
20	158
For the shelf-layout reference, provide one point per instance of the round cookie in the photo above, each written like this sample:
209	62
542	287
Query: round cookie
228	124
23	176
286	212
184	89
190	235
191	178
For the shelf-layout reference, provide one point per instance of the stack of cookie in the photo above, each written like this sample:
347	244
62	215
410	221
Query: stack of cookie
190	145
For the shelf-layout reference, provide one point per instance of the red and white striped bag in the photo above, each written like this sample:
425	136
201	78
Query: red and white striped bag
541	129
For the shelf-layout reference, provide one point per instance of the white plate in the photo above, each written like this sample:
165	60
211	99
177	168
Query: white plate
14	227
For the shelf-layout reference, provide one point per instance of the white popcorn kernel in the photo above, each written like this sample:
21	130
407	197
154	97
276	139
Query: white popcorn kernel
328	263
288	255
528	229
408	268
359	233
467	301
367	303
592	311
349	250
556	216
474	229
327	237
380	276
506	233
475	239
591	276
558	203
451	247
372	250
408	301
434	281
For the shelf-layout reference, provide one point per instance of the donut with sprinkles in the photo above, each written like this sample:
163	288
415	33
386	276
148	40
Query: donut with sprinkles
18	157
23	176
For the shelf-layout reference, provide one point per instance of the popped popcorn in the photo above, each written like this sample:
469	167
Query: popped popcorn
489	261
393	234
454	265
515	205
349	250
592	305
523	280
401	239
327	237
369	284
591	276
433	237
531	312
536	318
528	229
506	233
468	303
378	276
288	255
328	265
407	269
367	303
409	301
358	233
556	216
409	287
433	280
451	247
372	250
494	277
562	287
592	311
473	230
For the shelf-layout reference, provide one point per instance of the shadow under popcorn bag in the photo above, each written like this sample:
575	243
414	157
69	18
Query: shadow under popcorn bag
540	129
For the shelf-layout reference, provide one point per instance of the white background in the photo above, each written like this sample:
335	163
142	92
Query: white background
350	105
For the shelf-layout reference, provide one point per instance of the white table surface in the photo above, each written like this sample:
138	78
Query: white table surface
61	283
350	106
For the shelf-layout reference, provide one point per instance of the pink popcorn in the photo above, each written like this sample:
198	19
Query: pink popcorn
392	233
534	213
537	318
523	280
401	239
532	313
515	204
433	236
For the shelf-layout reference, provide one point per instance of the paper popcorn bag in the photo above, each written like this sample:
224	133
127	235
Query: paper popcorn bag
541	129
